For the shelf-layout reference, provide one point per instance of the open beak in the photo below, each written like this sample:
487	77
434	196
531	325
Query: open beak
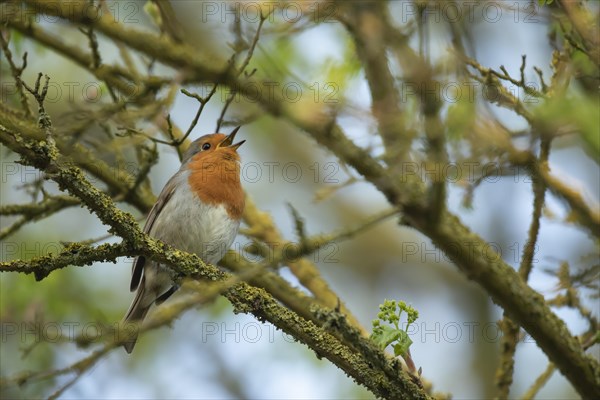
227	142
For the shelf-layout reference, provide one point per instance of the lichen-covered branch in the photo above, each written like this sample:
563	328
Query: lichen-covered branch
262	227
44	155
472	255
34	211
74	254
422	204
117	179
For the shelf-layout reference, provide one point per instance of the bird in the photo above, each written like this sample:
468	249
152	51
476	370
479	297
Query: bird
198	211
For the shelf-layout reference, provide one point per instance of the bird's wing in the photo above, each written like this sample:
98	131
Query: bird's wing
138	264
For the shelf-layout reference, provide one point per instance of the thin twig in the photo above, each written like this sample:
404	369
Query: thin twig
203	101
40	95
96	59
242	69
504	375
34	212
539	382
16	73
540	74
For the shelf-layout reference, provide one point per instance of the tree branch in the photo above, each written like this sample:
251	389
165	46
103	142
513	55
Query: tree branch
388	383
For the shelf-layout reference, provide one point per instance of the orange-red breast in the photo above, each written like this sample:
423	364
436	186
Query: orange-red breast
198	211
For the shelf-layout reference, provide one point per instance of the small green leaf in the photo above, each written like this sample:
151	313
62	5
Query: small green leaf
403	344
386	335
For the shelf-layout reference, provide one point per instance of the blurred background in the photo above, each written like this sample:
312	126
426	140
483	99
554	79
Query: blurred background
211	353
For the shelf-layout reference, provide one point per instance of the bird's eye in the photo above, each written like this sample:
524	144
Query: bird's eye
206	146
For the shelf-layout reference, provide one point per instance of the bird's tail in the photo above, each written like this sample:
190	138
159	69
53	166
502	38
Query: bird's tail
134	317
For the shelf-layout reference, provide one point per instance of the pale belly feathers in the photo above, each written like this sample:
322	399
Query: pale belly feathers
195	227
190	225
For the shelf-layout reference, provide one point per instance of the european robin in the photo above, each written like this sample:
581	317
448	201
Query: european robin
198	211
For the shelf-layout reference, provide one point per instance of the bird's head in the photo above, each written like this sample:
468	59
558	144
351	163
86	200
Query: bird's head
216	147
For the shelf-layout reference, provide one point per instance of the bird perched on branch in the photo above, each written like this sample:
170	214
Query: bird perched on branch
198	211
